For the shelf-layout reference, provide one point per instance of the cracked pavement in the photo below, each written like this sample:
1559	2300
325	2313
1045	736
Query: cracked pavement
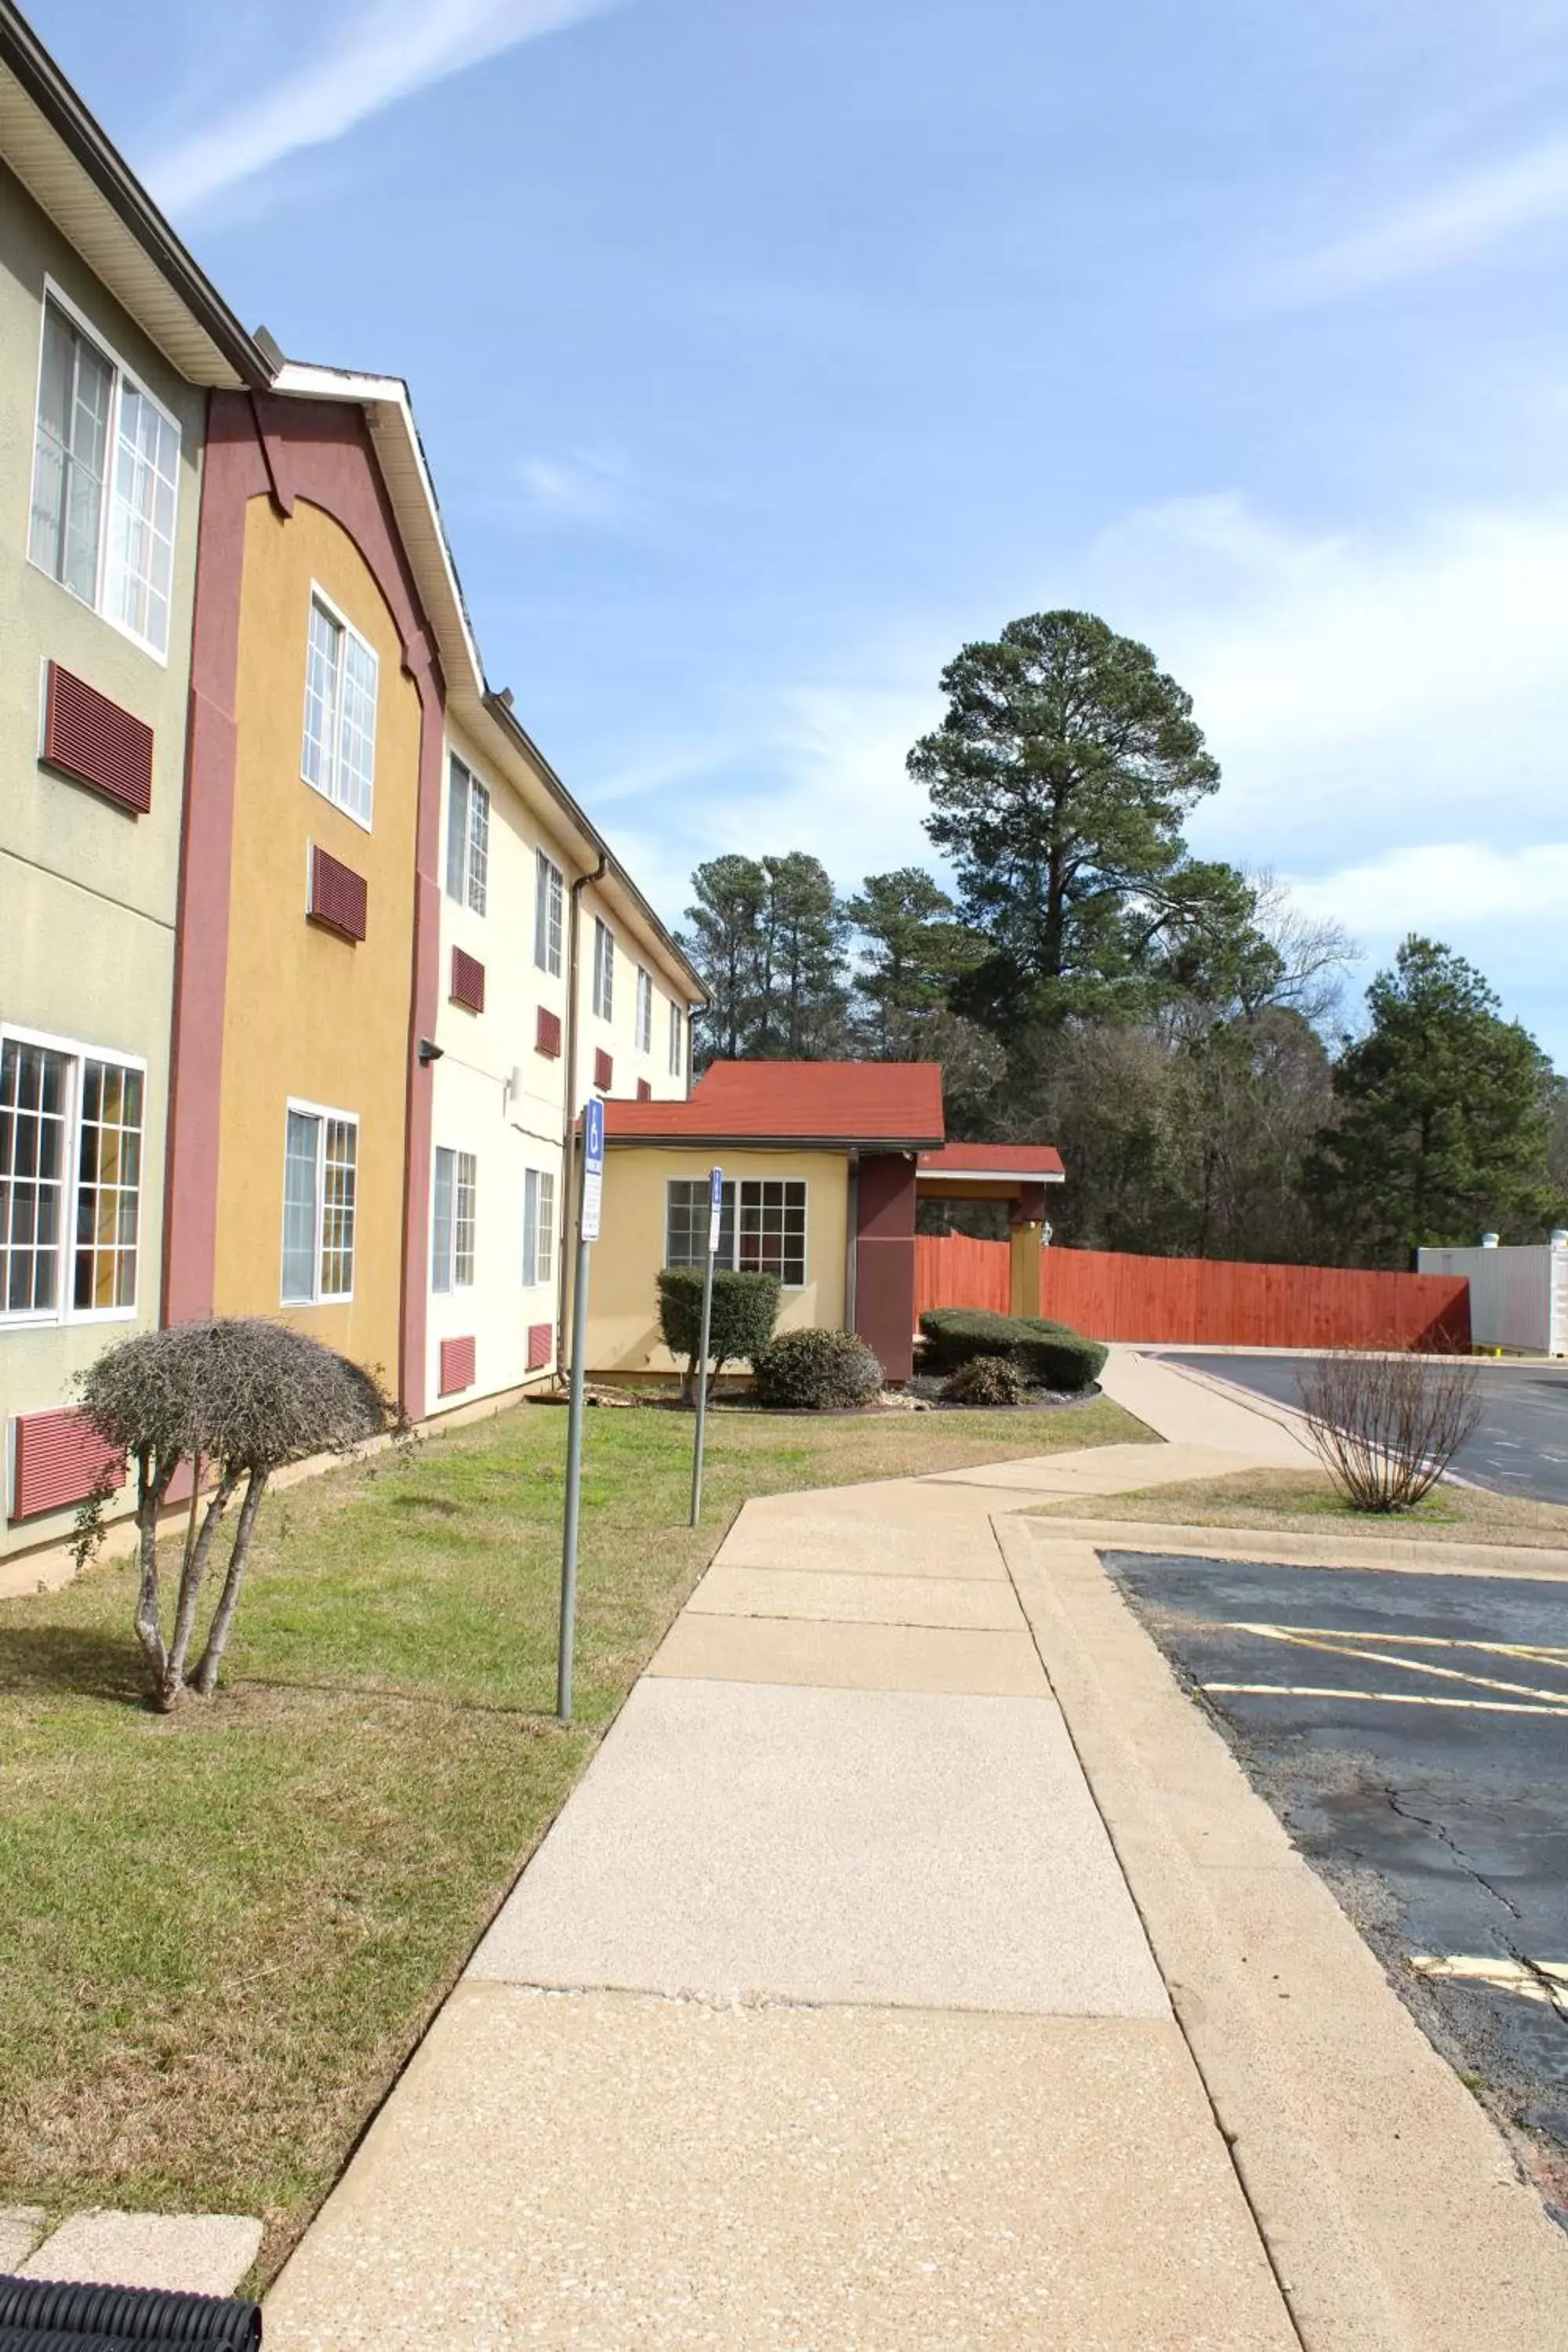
1411	1732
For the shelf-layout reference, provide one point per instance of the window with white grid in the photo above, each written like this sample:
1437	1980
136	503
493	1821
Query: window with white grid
321	1178
770	1231
142	520
338	756
604	969
71	1181
538	1226
686	1214
677	1042
106	481
547	902
109	1187
645	1012
452	1220
467	837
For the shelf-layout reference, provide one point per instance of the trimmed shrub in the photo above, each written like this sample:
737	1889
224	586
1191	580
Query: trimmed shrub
1048	1353
986	1380
236	1398
817	1369
745	1308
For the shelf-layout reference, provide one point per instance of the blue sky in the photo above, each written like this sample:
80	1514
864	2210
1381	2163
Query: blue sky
764	355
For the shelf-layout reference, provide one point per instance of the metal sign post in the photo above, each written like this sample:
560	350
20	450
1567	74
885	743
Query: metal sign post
592	1195
715	1212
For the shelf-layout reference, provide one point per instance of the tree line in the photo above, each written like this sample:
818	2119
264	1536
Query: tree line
1175	1025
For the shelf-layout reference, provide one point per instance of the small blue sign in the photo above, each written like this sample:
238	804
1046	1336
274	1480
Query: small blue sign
594	1136
716	1189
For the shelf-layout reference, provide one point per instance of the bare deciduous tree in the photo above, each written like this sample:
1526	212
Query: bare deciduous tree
234	1399
1386	1427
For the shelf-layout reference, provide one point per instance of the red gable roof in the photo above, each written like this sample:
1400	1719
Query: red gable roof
1042	1161
889	1106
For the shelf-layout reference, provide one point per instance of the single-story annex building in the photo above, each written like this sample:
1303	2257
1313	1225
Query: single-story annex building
822	1163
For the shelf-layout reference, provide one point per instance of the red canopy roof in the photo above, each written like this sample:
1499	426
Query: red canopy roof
1041	1162
889	1106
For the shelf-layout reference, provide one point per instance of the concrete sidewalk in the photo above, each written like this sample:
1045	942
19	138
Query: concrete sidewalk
824	2016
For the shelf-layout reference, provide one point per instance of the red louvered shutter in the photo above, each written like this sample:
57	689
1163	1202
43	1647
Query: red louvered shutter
340	899
60	1459
456	1365
541	1345
645	1092
547	1038
90	738
467	981
603	1071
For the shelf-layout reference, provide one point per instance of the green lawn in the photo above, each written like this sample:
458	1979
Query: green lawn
223	1931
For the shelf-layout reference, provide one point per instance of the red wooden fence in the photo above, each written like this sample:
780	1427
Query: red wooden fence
1206	1301
951	1270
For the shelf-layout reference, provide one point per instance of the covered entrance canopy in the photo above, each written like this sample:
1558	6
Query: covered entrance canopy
1017	1174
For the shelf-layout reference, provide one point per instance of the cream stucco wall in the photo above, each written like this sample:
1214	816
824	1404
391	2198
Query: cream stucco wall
509	1131
475	1110
623	1310
87	892
617	1037
308	1016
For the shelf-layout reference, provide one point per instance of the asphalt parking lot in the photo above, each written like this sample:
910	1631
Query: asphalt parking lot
1519	1448
1411	1732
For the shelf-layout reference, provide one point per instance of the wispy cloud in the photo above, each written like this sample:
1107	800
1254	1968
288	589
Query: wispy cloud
379	54
592	487
1451	224
1435	886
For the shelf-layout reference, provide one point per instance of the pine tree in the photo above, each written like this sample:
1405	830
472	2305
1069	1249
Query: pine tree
1445	1116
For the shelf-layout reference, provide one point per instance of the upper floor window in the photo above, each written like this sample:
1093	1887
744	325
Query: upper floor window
467	837
538	1225
604	968
676	1041
321	1182
645	1012
547	898
106	463
452	1220
70	1180
340	673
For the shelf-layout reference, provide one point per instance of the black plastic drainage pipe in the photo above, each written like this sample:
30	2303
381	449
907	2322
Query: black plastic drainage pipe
34	2310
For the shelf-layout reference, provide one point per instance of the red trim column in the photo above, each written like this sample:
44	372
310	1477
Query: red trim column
885	1259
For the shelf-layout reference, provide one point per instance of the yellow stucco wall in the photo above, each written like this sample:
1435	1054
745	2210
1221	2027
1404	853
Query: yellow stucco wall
623	1313
308	1017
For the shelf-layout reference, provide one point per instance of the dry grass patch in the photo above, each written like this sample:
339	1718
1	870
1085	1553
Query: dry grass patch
225	1930
1299	1502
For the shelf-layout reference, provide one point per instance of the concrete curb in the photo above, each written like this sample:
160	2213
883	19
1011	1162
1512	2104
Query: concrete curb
1281	1548
1394	2215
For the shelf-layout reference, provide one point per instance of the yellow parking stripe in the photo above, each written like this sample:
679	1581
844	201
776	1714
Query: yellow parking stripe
1336	1645
1382	1698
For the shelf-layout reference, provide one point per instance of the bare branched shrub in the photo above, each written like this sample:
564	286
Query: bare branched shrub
233	1399
1386	1427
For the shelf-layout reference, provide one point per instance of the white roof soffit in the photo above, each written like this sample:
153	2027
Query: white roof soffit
56	148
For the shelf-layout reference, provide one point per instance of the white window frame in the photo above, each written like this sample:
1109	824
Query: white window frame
733	1188
333	756
75	1051
296	1107
533	1278
603	970
124	376
676	1041
453	1282
645	1011
549	914
477	795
